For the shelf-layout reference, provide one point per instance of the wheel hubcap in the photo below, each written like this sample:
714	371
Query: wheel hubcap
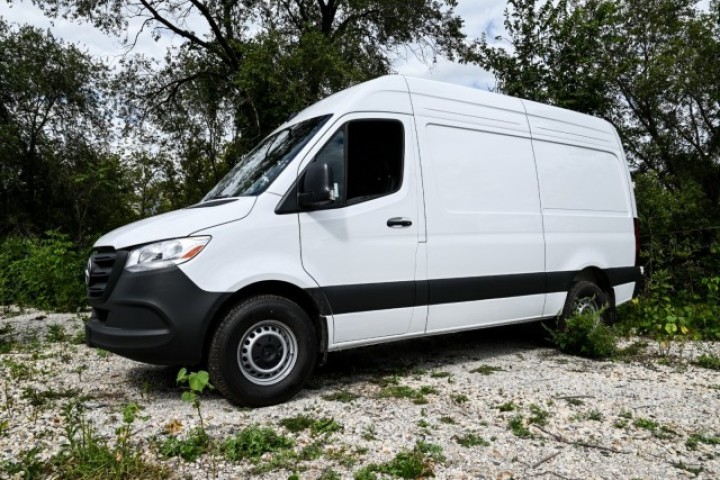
267	352
586	305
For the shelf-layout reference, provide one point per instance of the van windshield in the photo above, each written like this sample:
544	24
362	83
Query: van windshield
258	169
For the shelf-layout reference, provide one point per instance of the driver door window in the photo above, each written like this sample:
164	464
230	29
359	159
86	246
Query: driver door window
366	158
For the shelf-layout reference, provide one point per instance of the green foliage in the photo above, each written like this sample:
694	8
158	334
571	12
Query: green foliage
317	426
471	440
507	406
197	383
696	439
190	448
668	314
343	396
486	370
416	463
517	426
585	335
88	456
539	415
253	442
45	273
709	361
29	466
418	396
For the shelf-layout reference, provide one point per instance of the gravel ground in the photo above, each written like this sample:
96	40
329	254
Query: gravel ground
582	419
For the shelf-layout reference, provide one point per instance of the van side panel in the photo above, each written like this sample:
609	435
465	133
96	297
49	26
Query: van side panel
483	217
586	201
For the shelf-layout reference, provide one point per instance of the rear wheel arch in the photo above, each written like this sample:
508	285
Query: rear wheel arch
598	277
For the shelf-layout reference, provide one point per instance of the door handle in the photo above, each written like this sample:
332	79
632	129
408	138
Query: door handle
399	222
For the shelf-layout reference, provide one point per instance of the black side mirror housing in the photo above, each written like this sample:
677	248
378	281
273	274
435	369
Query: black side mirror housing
317	186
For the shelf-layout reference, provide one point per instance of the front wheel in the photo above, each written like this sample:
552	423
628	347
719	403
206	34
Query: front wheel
263	351
586	297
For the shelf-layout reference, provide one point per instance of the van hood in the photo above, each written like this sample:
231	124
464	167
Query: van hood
178	223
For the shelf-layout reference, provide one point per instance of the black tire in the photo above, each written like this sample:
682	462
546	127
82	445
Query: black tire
585	294
270	328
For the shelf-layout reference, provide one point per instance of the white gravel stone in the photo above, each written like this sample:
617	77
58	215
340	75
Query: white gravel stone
586	435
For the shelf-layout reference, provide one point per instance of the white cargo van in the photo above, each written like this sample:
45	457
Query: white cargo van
395	209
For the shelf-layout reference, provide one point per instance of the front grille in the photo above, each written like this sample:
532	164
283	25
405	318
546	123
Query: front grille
100	269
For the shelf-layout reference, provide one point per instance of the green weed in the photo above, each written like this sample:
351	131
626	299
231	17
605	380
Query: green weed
586	336
317	426
517	426
189	449
411	464
696	438
253	442
343	396
507	406
471	440
711	362
486	370
418	396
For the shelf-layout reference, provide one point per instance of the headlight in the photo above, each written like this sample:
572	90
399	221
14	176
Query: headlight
164	254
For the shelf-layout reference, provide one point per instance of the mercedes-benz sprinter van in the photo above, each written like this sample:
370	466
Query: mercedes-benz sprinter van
395	209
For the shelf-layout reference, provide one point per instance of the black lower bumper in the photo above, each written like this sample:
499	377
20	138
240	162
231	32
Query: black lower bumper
158	317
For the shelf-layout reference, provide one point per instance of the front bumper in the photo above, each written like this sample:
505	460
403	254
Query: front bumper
158	317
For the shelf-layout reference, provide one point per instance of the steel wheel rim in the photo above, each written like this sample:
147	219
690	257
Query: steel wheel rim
267	352
586	305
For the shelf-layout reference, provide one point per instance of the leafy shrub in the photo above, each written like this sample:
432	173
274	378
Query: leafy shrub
45	273
585	335
667	314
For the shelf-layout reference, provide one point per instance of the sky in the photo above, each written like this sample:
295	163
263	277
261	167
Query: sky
479	16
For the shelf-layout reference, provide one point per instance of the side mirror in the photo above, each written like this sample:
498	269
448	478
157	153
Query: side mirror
317	189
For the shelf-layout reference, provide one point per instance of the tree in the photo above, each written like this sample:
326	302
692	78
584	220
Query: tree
647	67
55	169
253	63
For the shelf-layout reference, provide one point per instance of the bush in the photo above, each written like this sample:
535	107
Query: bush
669	314
585	335
45	273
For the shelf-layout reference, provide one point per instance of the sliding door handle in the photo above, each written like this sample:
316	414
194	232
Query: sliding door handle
399	222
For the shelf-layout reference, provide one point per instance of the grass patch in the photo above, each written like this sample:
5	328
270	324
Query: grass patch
517	426
189	449
539	416
411	464
418	396
486	370
440	374
459	398
694	470
40	398
507	406
253	442
711	362
87	456
471	440
696	438
317	426
448	420
342	396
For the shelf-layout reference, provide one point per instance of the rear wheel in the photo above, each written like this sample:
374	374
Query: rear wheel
263	351
586	297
